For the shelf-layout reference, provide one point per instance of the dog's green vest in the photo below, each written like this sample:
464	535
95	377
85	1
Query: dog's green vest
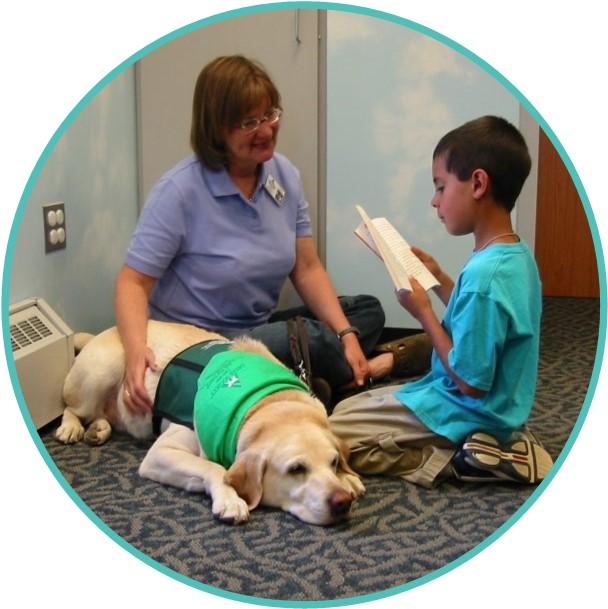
232	383
211	389
177	387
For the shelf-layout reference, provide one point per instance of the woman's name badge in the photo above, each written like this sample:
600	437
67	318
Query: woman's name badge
275	190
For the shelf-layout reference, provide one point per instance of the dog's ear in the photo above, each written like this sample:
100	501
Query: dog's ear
245	476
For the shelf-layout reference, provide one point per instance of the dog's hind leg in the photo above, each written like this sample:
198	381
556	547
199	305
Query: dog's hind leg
71	429
82	408
98	432
175	460
90	386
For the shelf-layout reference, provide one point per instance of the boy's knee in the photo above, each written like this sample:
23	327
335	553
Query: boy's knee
374	460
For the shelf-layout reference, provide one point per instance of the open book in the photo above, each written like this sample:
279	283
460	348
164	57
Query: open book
384	240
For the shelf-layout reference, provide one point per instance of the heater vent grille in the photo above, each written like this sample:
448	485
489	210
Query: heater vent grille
29	331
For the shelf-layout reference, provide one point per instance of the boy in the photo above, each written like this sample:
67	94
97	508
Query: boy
465	418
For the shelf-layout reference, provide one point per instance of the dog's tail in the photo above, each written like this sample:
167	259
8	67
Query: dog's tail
80	340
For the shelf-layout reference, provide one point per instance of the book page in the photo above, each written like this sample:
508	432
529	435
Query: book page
401	263
363	233
409	264
370	235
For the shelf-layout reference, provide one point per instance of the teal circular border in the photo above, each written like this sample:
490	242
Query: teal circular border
399	21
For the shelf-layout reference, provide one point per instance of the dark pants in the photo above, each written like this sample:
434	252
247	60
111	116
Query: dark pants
326	351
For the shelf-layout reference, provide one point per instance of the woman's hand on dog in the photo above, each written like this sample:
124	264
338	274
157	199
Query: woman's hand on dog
135	395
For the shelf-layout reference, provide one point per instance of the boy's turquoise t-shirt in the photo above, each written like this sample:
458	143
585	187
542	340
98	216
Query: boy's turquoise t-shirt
493	317
231	384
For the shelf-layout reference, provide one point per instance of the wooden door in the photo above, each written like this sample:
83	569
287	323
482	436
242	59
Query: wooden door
564	247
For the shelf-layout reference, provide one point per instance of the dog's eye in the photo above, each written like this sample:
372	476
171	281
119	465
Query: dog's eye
296	469
335	463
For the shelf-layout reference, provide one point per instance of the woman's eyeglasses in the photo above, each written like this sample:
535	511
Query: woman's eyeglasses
249	125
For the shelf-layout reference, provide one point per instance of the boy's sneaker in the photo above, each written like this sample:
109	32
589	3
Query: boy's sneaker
521	459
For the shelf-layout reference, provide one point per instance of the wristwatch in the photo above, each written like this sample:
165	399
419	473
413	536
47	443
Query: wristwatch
349	330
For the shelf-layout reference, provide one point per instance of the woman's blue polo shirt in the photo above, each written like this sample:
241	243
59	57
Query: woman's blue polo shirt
220	260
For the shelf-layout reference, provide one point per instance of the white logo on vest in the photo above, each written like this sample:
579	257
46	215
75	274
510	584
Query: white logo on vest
233	381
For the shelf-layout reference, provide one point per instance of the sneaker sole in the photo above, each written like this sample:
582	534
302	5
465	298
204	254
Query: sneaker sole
521	460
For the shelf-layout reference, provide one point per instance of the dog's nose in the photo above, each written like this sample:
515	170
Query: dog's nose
340	503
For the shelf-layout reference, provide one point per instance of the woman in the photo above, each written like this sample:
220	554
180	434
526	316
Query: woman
223	230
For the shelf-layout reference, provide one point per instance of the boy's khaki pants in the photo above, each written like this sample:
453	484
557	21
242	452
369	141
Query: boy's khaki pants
387	438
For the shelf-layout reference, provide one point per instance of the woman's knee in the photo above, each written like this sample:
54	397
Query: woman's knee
363	304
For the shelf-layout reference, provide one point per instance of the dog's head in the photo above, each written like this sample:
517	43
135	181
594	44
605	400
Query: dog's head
288	458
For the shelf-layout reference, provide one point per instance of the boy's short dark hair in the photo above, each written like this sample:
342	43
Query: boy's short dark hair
493	144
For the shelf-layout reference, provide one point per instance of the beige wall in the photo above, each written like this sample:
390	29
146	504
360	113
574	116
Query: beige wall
166	78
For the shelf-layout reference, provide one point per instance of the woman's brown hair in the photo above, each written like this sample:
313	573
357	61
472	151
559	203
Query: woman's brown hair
226	89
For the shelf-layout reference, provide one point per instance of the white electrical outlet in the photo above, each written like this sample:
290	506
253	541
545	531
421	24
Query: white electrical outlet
55	237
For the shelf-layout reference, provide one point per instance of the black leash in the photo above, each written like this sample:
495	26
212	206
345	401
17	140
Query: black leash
298	345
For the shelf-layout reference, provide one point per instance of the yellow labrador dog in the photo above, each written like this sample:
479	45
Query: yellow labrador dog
285	455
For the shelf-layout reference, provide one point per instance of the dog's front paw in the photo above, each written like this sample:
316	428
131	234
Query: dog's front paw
353	484
70	432
230	508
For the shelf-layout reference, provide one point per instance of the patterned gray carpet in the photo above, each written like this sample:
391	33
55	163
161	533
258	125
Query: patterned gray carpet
398	533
